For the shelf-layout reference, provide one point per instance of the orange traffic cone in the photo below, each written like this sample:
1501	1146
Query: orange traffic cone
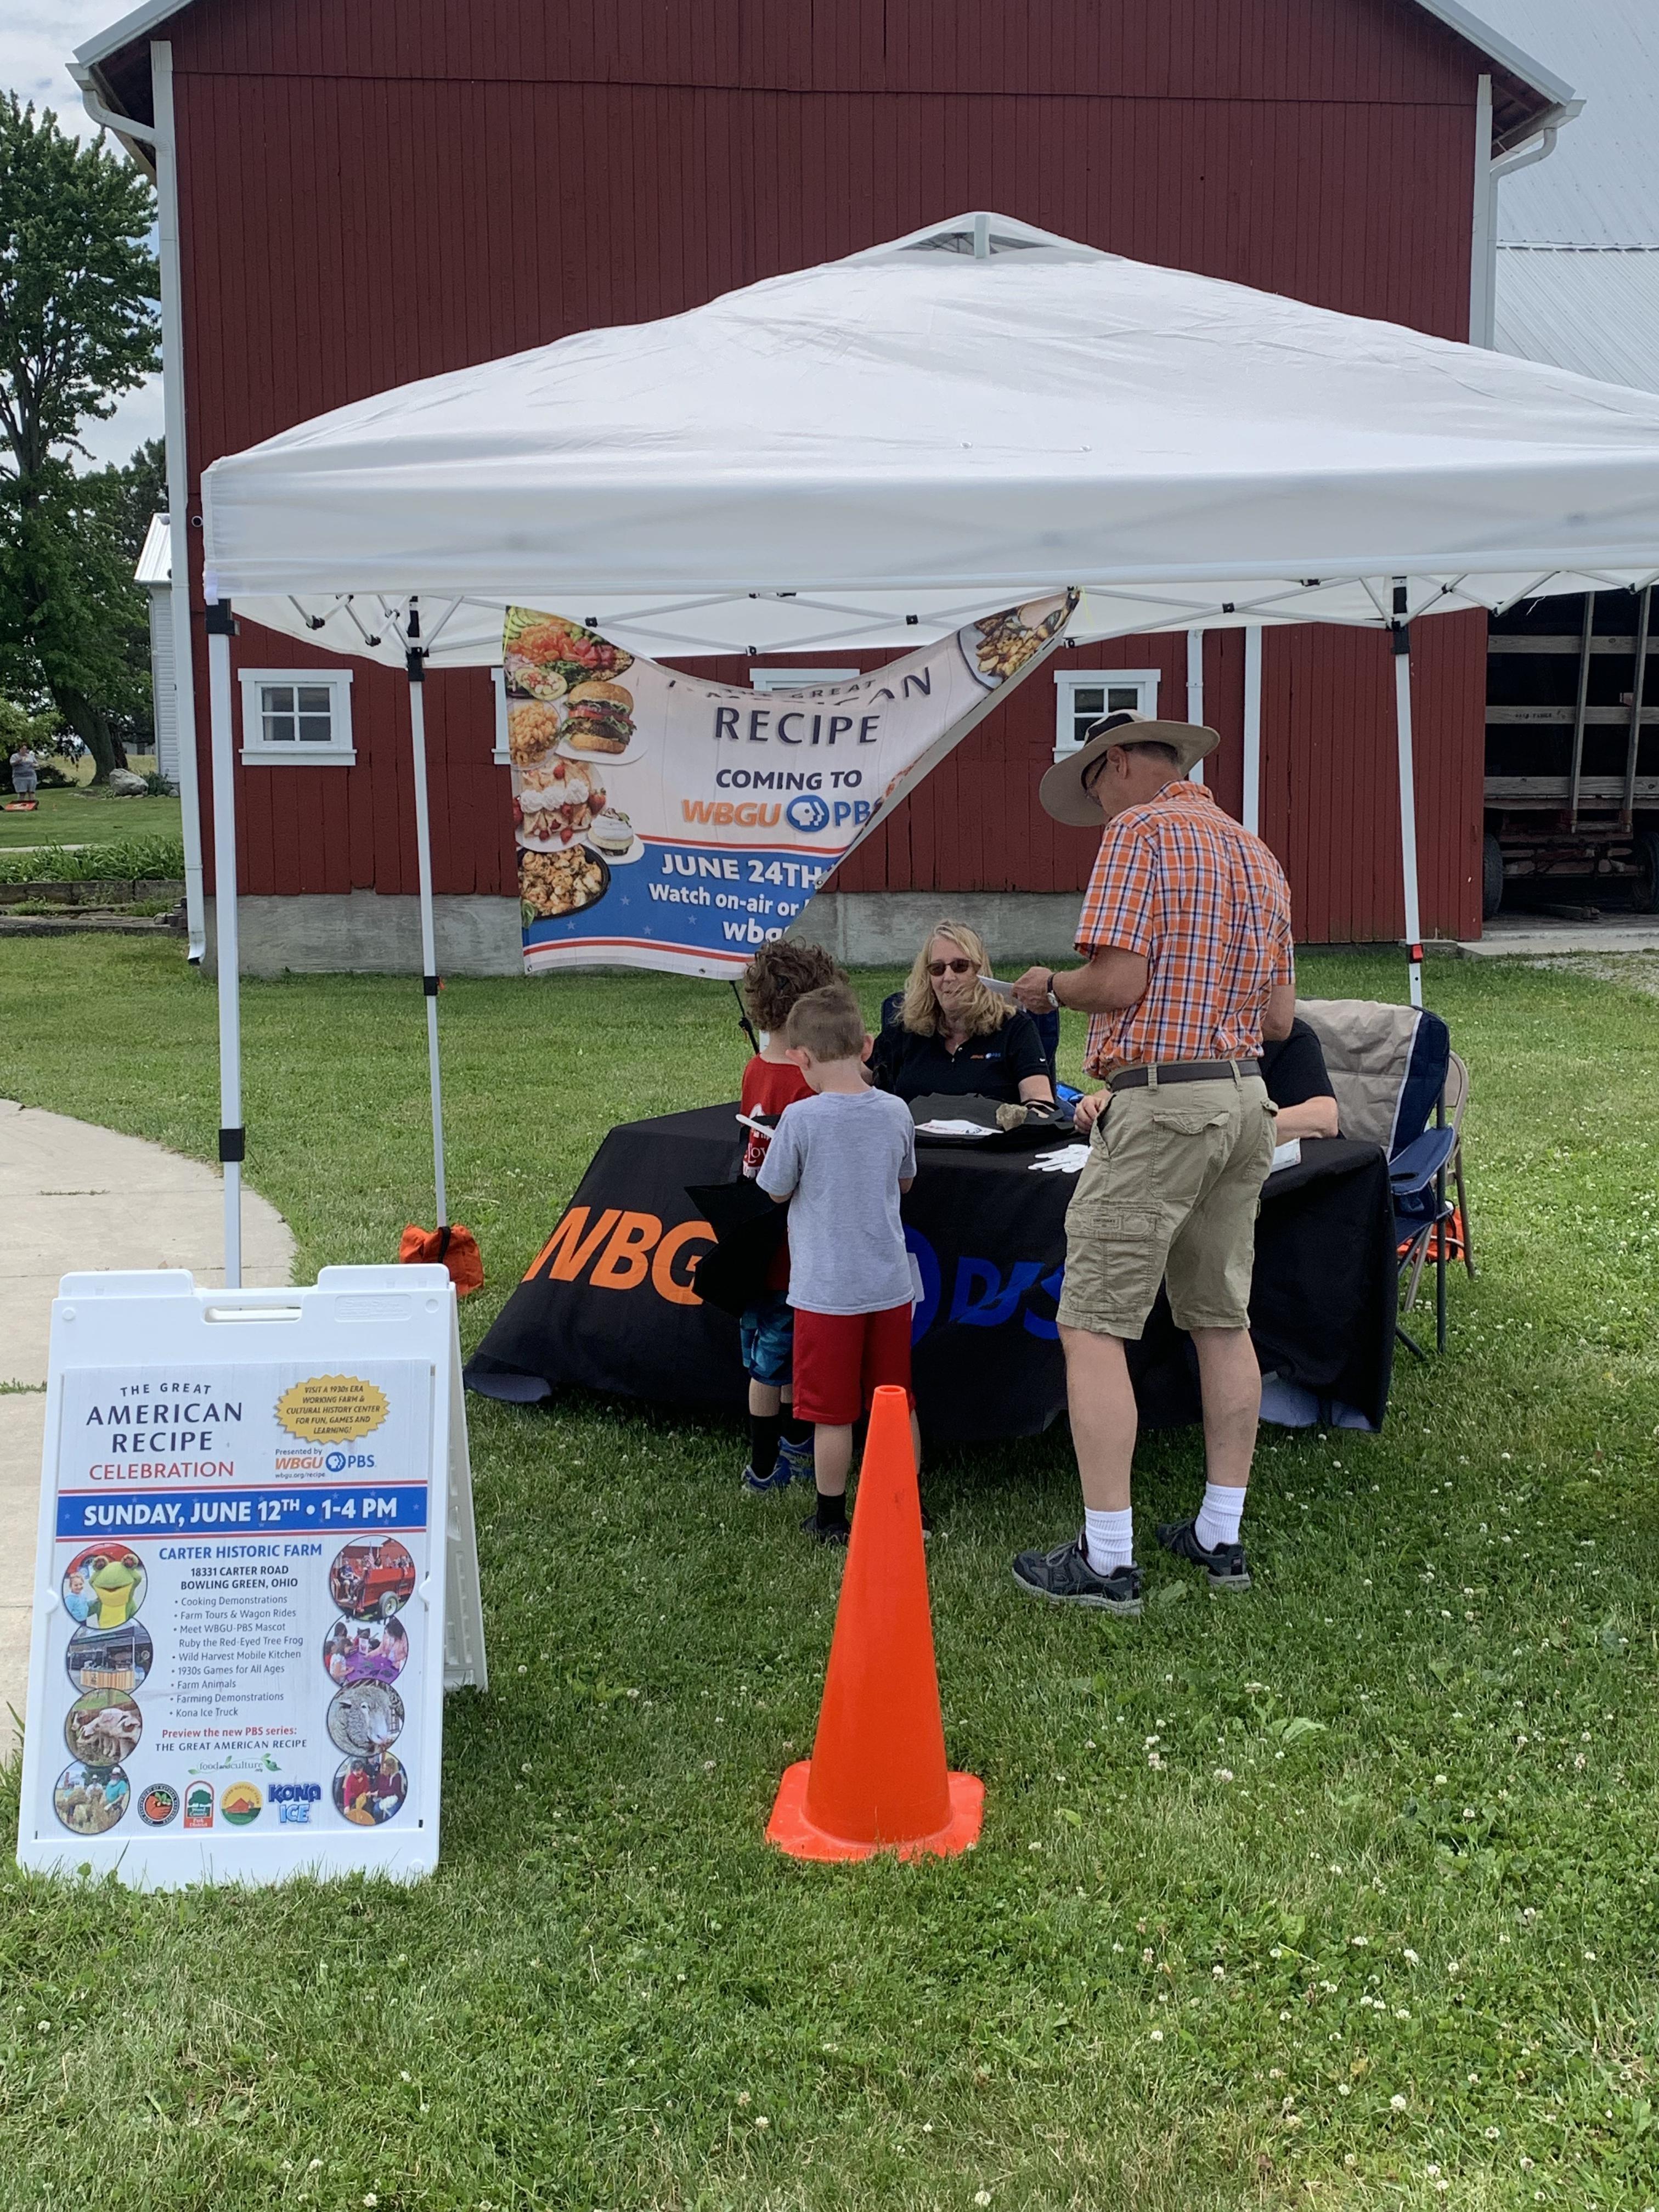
877	1779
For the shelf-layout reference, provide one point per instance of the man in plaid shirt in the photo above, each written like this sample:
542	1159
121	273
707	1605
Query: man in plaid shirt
1186	929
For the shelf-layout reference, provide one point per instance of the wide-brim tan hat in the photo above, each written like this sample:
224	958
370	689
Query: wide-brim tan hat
1063	792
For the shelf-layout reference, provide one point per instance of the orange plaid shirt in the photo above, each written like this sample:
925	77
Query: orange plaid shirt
1207	906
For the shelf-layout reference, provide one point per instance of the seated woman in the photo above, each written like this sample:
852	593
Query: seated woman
1294	1069
954	1035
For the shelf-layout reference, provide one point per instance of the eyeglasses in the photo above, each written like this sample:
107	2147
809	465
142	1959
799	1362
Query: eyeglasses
955	967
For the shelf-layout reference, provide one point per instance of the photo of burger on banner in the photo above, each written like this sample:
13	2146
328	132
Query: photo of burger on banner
663	821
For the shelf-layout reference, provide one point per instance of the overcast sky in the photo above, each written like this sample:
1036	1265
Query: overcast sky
36	40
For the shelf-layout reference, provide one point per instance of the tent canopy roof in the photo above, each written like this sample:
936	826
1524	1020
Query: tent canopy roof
872	452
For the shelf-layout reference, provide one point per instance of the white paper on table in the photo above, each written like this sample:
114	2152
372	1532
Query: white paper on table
1286	1155
1069	1160
954	1130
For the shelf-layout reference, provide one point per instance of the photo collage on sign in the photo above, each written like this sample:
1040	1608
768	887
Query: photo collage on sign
363	1654
110	1654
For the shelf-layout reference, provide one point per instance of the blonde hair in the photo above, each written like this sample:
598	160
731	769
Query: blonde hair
984	1011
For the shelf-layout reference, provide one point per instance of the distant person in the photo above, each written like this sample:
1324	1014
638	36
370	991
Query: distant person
25	771
956	1036
779	1442
842	1159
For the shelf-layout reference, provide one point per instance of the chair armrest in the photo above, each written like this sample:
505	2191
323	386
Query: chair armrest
1417	1165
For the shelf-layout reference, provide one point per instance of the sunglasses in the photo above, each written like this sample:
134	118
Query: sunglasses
953	967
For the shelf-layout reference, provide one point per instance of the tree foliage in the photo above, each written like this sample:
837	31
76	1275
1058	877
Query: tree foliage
78	328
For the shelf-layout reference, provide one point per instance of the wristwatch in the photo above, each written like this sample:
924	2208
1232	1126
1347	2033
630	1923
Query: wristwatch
1054	1002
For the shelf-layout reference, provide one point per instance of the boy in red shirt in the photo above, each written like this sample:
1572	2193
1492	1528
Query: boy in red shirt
779	1446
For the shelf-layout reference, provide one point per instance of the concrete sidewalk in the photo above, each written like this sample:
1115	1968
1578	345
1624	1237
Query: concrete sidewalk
75	1196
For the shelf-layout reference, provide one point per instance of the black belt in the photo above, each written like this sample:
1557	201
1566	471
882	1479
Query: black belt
1184	1071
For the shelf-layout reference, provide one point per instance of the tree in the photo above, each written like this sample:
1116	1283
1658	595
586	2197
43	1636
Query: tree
78	328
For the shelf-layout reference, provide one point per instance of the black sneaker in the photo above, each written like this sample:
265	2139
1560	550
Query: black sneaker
826	1532
1065	1578
1223	1566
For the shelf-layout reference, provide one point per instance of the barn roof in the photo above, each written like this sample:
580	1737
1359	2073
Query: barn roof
1525	95
1578	236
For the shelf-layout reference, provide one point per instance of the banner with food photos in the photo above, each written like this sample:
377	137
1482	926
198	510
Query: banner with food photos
665	821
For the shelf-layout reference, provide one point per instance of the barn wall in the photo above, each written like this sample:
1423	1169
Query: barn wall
370	197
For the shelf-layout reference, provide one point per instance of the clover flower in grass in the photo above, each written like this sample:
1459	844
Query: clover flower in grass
1396	2103
981	2197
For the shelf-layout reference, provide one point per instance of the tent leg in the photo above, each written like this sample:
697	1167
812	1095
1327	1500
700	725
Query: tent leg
1195	687
1253	729
1400	637
416	666
220	628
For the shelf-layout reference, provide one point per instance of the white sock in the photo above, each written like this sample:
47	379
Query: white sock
1110	1539
1219	1515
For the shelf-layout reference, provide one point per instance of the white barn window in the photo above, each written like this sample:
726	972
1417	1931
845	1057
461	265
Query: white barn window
297	717
797	679
1083	694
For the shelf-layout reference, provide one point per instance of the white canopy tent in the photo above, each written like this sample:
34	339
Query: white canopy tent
872	452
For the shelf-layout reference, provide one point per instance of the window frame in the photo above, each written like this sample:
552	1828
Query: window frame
1069	681
799	679
259	751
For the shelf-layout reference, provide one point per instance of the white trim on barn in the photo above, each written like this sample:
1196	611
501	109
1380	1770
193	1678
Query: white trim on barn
154	573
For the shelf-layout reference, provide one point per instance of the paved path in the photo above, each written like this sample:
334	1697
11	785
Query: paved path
75	1196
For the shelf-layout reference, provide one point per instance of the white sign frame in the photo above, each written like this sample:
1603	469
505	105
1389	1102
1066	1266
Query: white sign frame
352	1316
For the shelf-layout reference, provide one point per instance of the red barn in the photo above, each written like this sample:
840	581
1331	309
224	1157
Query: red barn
368	194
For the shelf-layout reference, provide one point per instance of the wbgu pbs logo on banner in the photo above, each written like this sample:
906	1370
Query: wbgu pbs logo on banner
663	821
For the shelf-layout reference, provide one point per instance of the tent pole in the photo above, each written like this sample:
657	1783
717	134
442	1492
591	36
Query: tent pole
232	1138
1400	637
1195	688
416	663
1253	729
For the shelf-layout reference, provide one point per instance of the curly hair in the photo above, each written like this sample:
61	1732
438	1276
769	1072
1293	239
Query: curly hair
985	1012
780	972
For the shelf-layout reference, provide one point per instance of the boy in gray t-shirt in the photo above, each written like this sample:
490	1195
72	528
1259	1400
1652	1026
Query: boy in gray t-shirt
843	1158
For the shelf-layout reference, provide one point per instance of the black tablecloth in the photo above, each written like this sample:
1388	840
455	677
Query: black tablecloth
608	1302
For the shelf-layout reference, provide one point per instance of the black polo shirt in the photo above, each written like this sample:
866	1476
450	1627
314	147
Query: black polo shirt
1293	1067
992	1066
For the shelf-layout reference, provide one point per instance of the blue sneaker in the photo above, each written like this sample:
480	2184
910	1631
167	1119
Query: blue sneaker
797	1458
765	1485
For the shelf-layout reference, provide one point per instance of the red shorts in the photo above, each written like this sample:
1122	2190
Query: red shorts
841	1360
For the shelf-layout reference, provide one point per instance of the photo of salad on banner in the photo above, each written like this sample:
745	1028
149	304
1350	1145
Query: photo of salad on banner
662	821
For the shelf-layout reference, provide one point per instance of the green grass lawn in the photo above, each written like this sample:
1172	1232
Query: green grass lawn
1341	1893
85	817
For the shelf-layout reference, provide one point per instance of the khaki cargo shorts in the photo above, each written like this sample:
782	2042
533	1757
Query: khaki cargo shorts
1170	1192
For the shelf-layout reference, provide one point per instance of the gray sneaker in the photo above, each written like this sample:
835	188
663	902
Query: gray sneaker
1064	1576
